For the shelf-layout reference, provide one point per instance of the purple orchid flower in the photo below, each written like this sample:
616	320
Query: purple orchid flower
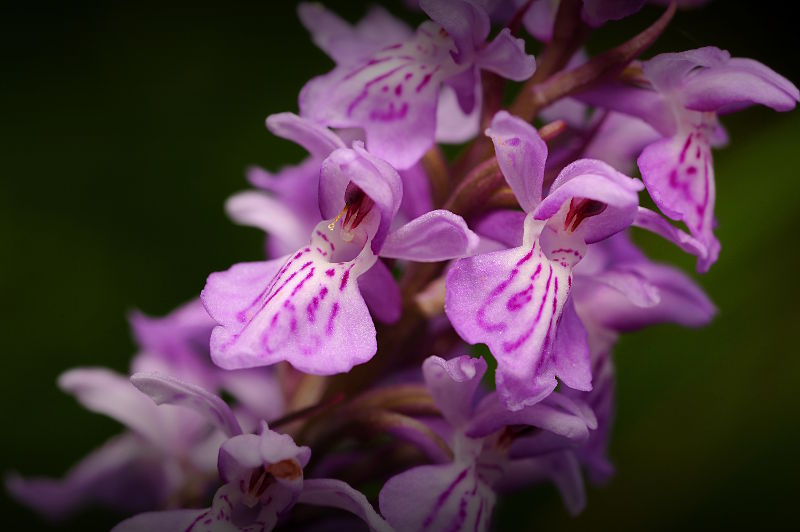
460	495
689	89
308	308
262	474
517	301
288	207
166	453
392	93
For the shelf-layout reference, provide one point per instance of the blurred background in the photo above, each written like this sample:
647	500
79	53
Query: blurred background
124	128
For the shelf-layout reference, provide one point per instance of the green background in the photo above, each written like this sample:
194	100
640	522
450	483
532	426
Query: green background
124	128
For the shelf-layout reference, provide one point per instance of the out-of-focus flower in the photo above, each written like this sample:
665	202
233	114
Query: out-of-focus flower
262	474
460	495
392	93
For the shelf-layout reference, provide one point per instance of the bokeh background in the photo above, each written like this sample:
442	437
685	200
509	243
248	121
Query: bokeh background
124	128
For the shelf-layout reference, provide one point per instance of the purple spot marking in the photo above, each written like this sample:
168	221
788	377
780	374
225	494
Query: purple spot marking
345	277
513	141
308	276
398	90
330	272
443	498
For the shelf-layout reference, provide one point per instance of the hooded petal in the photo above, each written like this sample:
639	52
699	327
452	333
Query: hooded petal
594	180
163	389
373	176
521	155
417	197
240	455
437	497
309	312
337	494
435	236
453	124
452	383
512	300
679	174
468	24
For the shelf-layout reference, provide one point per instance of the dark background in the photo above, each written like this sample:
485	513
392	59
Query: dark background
124	127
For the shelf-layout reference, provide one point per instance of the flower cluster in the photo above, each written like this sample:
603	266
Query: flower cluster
384	256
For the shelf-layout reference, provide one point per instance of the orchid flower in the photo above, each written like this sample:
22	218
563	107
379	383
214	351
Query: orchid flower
166	453
307	308
262	474
393	93
517	301
686	92
460	495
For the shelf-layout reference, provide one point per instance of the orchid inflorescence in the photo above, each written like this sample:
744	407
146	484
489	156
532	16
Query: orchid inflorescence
382	252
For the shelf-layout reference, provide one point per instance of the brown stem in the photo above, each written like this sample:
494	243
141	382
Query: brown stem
537	96
438	170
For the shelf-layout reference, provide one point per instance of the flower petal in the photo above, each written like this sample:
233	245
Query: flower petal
319	141
437	497
310	313
467	24
571	351
556	413
381	293
345	43
175	520
392	95
679	174
452	383
273	216
338	494
655	223
505	56
435	236
163	389
512	300
106	392
118	475
521	154
594	180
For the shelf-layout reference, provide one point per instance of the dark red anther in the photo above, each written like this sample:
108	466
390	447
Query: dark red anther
357	205
580	209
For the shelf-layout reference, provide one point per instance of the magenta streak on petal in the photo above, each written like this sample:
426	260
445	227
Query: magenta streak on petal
368	64
499	289
686	147
443	498
426	79
520	299
365	92
330	272
513	346
308	276
334	312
